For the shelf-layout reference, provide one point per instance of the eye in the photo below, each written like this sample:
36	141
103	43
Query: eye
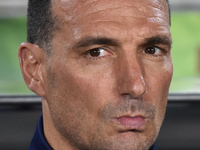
97	52
152	50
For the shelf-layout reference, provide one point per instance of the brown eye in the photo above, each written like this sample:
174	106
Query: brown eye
153	50
150	50
95	52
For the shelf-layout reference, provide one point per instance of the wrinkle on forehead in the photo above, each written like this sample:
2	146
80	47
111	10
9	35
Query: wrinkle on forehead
64	10
73	9
124	8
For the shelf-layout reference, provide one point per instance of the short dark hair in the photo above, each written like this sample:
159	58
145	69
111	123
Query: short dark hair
41	23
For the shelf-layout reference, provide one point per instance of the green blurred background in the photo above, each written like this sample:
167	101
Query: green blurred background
185	30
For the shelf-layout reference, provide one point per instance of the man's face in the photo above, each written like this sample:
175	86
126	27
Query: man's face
108	77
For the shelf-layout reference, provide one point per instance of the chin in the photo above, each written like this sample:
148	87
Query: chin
125	141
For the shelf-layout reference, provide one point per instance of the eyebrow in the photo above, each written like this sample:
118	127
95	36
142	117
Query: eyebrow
160	39
88	41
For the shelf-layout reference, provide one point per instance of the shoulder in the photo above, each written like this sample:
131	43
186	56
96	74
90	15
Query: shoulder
39	141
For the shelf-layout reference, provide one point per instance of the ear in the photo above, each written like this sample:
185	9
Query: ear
31	59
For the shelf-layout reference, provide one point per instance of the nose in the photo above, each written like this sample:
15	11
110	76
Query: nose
130	77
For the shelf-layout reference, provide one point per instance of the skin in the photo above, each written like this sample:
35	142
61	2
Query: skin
84	96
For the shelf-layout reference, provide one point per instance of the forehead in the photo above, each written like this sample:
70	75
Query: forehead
92	15
76	9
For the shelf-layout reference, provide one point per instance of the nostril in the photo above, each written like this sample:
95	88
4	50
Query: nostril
127	96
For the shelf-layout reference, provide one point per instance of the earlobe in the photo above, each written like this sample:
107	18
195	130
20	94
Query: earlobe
31	57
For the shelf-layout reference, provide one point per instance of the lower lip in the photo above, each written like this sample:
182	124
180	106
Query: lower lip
131	123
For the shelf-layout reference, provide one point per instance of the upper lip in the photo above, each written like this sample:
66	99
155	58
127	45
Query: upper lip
132	116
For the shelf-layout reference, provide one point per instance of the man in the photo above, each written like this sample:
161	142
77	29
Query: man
103	69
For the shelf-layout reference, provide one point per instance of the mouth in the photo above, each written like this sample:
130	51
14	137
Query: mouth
129	123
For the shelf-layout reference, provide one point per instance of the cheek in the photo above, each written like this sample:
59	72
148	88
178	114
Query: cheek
77	97
74	100
88	90
158	79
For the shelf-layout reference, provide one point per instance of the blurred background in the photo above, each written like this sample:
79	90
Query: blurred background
20	108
